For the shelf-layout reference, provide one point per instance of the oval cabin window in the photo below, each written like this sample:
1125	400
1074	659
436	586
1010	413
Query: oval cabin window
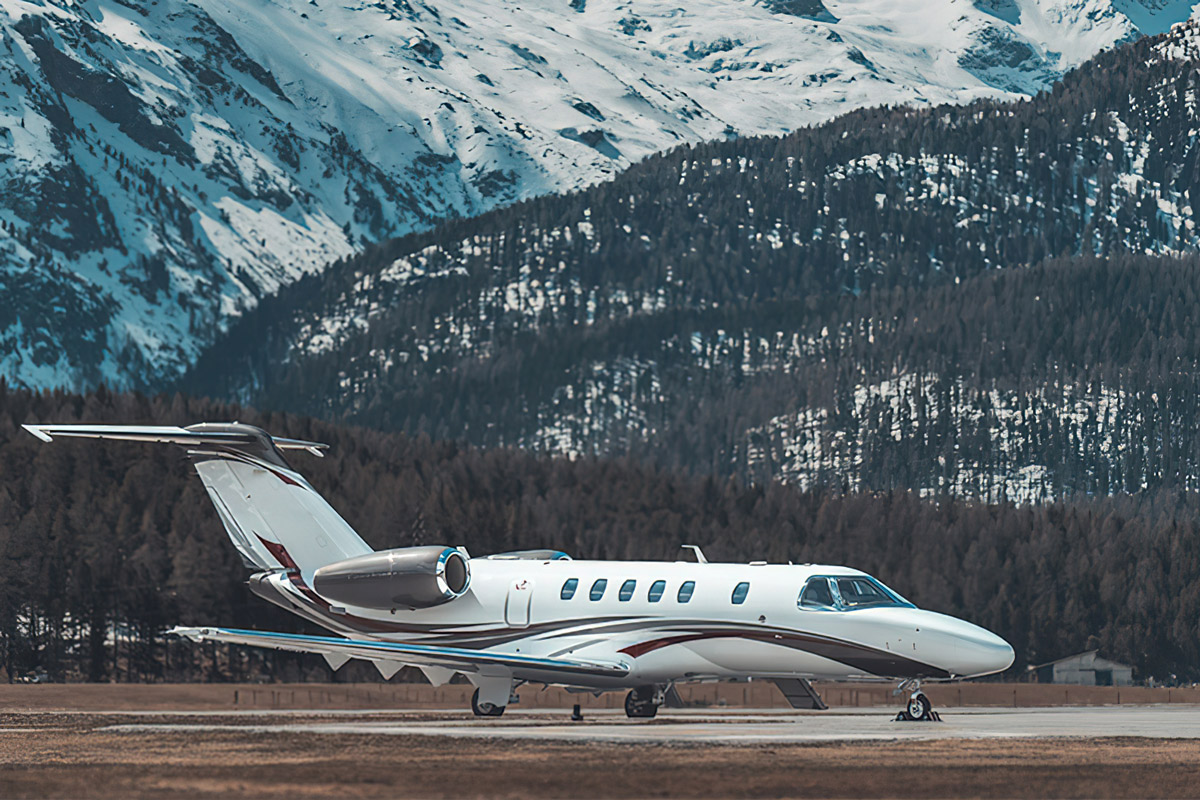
739	593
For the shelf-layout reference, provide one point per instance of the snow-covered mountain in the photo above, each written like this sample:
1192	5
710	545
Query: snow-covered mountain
165	164
996	301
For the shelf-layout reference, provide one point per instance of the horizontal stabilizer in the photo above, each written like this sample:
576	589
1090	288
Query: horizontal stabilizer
458	659
195	435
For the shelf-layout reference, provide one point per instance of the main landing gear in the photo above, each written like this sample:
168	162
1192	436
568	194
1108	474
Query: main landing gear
918	708
643	702
485	709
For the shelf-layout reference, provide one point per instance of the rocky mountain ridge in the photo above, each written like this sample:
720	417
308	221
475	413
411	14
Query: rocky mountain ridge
165	165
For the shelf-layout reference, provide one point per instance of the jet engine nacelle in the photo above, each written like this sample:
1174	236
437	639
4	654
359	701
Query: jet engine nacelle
407	577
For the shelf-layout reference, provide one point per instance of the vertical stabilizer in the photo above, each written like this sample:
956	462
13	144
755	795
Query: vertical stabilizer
271	513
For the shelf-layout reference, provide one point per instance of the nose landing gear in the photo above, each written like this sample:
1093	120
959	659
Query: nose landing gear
918	708
643	702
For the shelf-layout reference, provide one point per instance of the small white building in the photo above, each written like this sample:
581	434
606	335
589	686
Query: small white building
1084	669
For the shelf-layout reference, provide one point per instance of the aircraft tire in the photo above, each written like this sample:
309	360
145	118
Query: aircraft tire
918	708
485	709
637	706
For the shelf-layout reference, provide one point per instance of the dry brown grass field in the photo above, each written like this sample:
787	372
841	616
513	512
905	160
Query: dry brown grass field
87	749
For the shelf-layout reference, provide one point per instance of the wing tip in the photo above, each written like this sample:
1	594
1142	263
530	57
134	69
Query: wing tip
192	634
40	431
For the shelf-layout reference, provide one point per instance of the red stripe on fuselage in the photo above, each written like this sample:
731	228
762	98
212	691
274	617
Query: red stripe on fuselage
855	655
641	648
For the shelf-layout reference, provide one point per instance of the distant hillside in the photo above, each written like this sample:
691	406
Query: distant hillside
103	545
994	301
164	165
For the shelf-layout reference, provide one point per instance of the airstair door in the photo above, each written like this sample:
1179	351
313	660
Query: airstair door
516	607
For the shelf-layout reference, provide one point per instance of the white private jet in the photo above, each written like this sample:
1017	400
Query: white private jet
539	616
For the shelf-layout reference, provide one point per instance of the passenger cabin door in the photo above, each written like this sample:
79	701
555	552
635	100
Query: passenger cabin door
516	606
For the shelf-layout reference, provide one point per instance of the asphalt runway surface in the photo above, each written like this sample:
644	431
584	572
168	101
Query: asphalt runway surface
708	727
1110	751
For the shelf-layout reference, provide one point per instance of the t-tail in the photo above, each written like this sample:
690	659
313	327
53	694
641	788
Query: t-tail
273	515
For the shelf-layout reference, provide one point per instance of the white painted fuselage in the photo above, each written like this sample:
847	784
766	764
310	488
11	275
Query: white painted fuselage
519	607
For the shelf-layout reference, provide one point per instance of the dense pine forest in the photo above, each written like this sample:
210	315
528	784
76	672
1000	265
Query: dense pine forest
1077	375
104	545
992	300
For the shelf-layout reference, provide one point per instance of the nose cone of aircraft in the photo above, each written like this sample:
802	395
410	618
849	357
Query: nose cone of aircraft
962	649
980	652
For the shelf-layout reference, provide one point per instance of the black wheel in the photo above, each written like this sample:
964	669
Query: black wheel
639	703
484	709
918	708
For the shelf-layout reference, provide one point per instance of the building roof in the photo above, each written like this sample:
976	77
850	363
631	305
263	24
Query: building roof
1082	655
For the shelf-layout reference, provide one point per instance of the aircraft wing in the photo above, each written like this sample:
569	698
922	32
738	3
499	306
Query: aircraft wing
393	655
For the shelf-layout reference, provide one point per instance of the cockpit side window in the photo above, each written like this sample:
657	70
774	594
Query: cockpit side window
817	594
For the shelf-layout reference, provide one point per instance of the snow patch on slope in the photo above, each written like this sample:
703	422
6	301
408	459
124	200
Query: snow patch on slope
165	165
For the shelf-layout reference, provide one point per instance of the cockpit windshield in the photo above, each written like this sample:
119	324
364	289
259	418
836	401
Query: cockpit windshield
817	594
862	592
847	593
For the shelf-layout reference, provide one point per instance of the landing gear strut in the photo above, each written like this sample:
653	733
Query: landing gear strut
485	709
643	702
918	708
